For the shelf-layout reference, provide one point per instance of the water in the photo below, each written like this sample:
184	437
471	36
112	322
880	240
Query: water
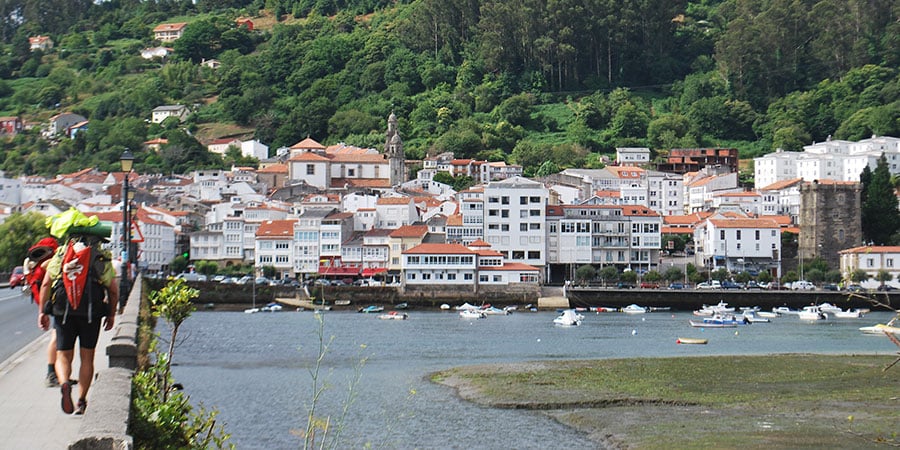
255	368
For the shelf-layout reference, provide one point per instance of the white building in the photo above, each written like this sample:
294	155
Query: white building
275	246
439	264
395	212
632	156
254	149
872	259
163	112
515	219
739	244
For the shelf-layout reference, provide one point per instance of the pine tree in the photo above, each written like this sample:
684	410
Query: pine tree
880	214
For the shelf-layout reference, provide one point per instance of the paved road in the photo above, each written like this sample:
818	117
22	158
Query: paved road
18	321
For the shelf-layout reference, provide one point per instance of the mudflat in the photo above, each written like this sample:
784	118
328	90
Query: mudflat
773	401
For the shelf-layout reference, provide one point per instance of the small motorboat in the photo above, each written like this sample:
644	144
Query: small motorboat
403	305
271	307
683	340
713	324
852	313
783	310
471	314
372	309
828	308
568	318
465	307
445	307
767	314
634	309
812	313
494	311
394	315
754	317
882	328
251	310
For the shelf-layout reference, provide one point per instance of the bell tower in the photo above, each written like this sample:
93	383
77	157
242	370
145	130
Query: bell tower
393	148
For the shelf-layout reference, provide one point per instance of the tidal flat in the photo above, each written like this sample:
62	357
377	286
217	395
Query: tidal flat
770	401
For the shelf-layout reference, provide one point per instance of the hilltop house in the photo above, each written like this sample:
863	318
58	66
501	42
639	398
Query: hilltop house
168	32
161	113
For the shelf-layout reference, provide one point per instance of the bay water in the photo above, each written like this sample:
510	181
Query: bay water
257	369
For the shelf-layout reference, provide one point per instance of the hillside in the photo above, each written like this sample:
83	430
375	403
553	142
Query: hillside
525	83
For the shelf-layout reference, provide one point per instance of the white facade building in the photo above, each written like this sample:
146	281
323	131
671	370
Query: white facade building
739	244
515	219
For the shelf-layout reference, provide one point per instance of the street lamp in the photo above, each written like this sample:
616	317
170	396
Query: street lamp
127	160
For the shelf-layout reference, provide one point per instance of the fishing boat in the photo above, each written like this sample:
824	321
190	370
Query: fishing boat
683	340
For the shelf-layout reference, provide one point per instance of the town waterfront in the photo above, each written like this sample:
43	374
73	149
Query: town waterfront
255	368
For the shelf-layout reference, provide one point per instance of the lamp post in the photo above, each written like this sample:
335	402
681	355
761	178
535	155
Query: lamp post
127	160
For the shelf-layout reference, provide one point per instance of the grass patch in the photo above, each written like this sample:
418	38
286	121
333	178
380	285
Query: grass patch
785	401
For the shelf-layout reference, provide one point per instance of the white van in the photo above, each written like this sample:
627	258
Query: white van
802	285
191	276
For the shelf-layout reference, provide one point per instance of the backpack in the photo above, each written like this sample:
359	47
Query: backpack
76	288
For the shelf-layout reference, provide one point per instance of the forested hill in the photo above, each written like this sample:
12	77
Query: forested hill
546	84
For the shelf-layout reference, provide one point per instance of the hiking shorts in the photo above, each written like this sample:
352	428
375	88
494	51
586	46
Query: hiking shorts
76	327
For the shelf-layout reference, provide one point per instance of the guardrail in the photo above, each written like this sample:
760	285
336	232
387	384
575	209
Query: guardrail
105	426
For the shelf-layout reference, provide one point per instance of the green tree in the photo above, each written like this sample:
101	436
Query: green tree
585	273
883	276
609	274
880	216
17	234
858	276
674	274
206	267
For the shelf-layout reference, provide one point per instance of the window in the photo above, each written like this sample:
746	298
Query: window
504	213
523	227
534	226
534	255
738	232
889	262
534	213
721	234
310	169
523	200
467	276
534	199
451	276
498	278
426	276
410	276
482	278
504	200
518	254
504	227
757	235
870	262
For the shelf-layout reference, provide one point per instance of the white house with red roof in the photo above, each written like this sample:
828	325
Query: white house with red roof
701	191
454	265
394	212
40	43
872	259
782	198
738	244
275	246
749	201
168	32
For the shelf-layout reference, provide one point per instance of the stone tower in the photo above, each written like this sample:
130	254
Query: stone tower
829	220
393	148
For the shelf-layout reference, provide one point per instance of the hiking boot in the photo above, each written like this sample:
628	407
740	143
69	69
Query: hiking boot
51	380
66	390
82	405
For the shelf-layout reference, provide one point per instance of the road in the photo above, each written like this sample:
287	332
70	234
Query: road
18	321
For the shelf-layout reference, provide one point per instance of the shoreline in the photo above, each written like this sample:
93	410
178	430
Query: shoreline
778	400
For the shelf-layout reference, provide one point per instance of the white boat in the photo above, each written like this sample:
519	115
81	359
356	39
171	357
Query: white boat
828	308
493	311
783	310
881	329
852	313
811	313
394	315
568	318
271	307
471	314
466	307
753	317
720	308
445	307
251	310
634	309
767	314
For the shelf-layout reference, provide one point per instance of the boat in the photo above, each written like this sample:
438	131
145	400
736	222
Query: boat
445	307
465	307
271	307
494	311
403	305
767	314
702	324
341	302
707	310
471	314
568	318
394	315
828	308
726	319
812	313
634	309
882	328
682	340
852	313
511	308
600	309
753	317
372	309
251	310
783	310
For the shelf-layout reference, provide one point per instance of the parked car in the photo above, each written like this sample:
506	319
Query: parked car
244	279
854	288
676	285
17	277
712	284
731	285
830	287
191	276
752	284
885	287
624	285
322	282
802	285
218	278
649	285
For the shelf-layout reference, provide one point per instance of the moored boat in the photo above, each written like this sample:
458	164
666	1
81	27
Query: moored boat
852	313
704	324
394	315
471	314
882	328
494	311
683	340
812	313
568	318
371	309
634	309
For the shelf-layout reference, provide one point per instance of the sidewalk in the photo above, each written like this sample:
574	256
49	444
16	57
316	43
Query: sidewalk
30	414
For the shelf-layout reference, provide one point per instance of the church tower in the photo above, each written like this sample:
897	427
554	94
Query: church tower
393	148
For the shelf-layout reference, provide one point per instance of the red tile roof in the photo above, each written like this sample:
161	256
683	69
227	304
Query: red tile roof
276	229
413	231
439	249
308	144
